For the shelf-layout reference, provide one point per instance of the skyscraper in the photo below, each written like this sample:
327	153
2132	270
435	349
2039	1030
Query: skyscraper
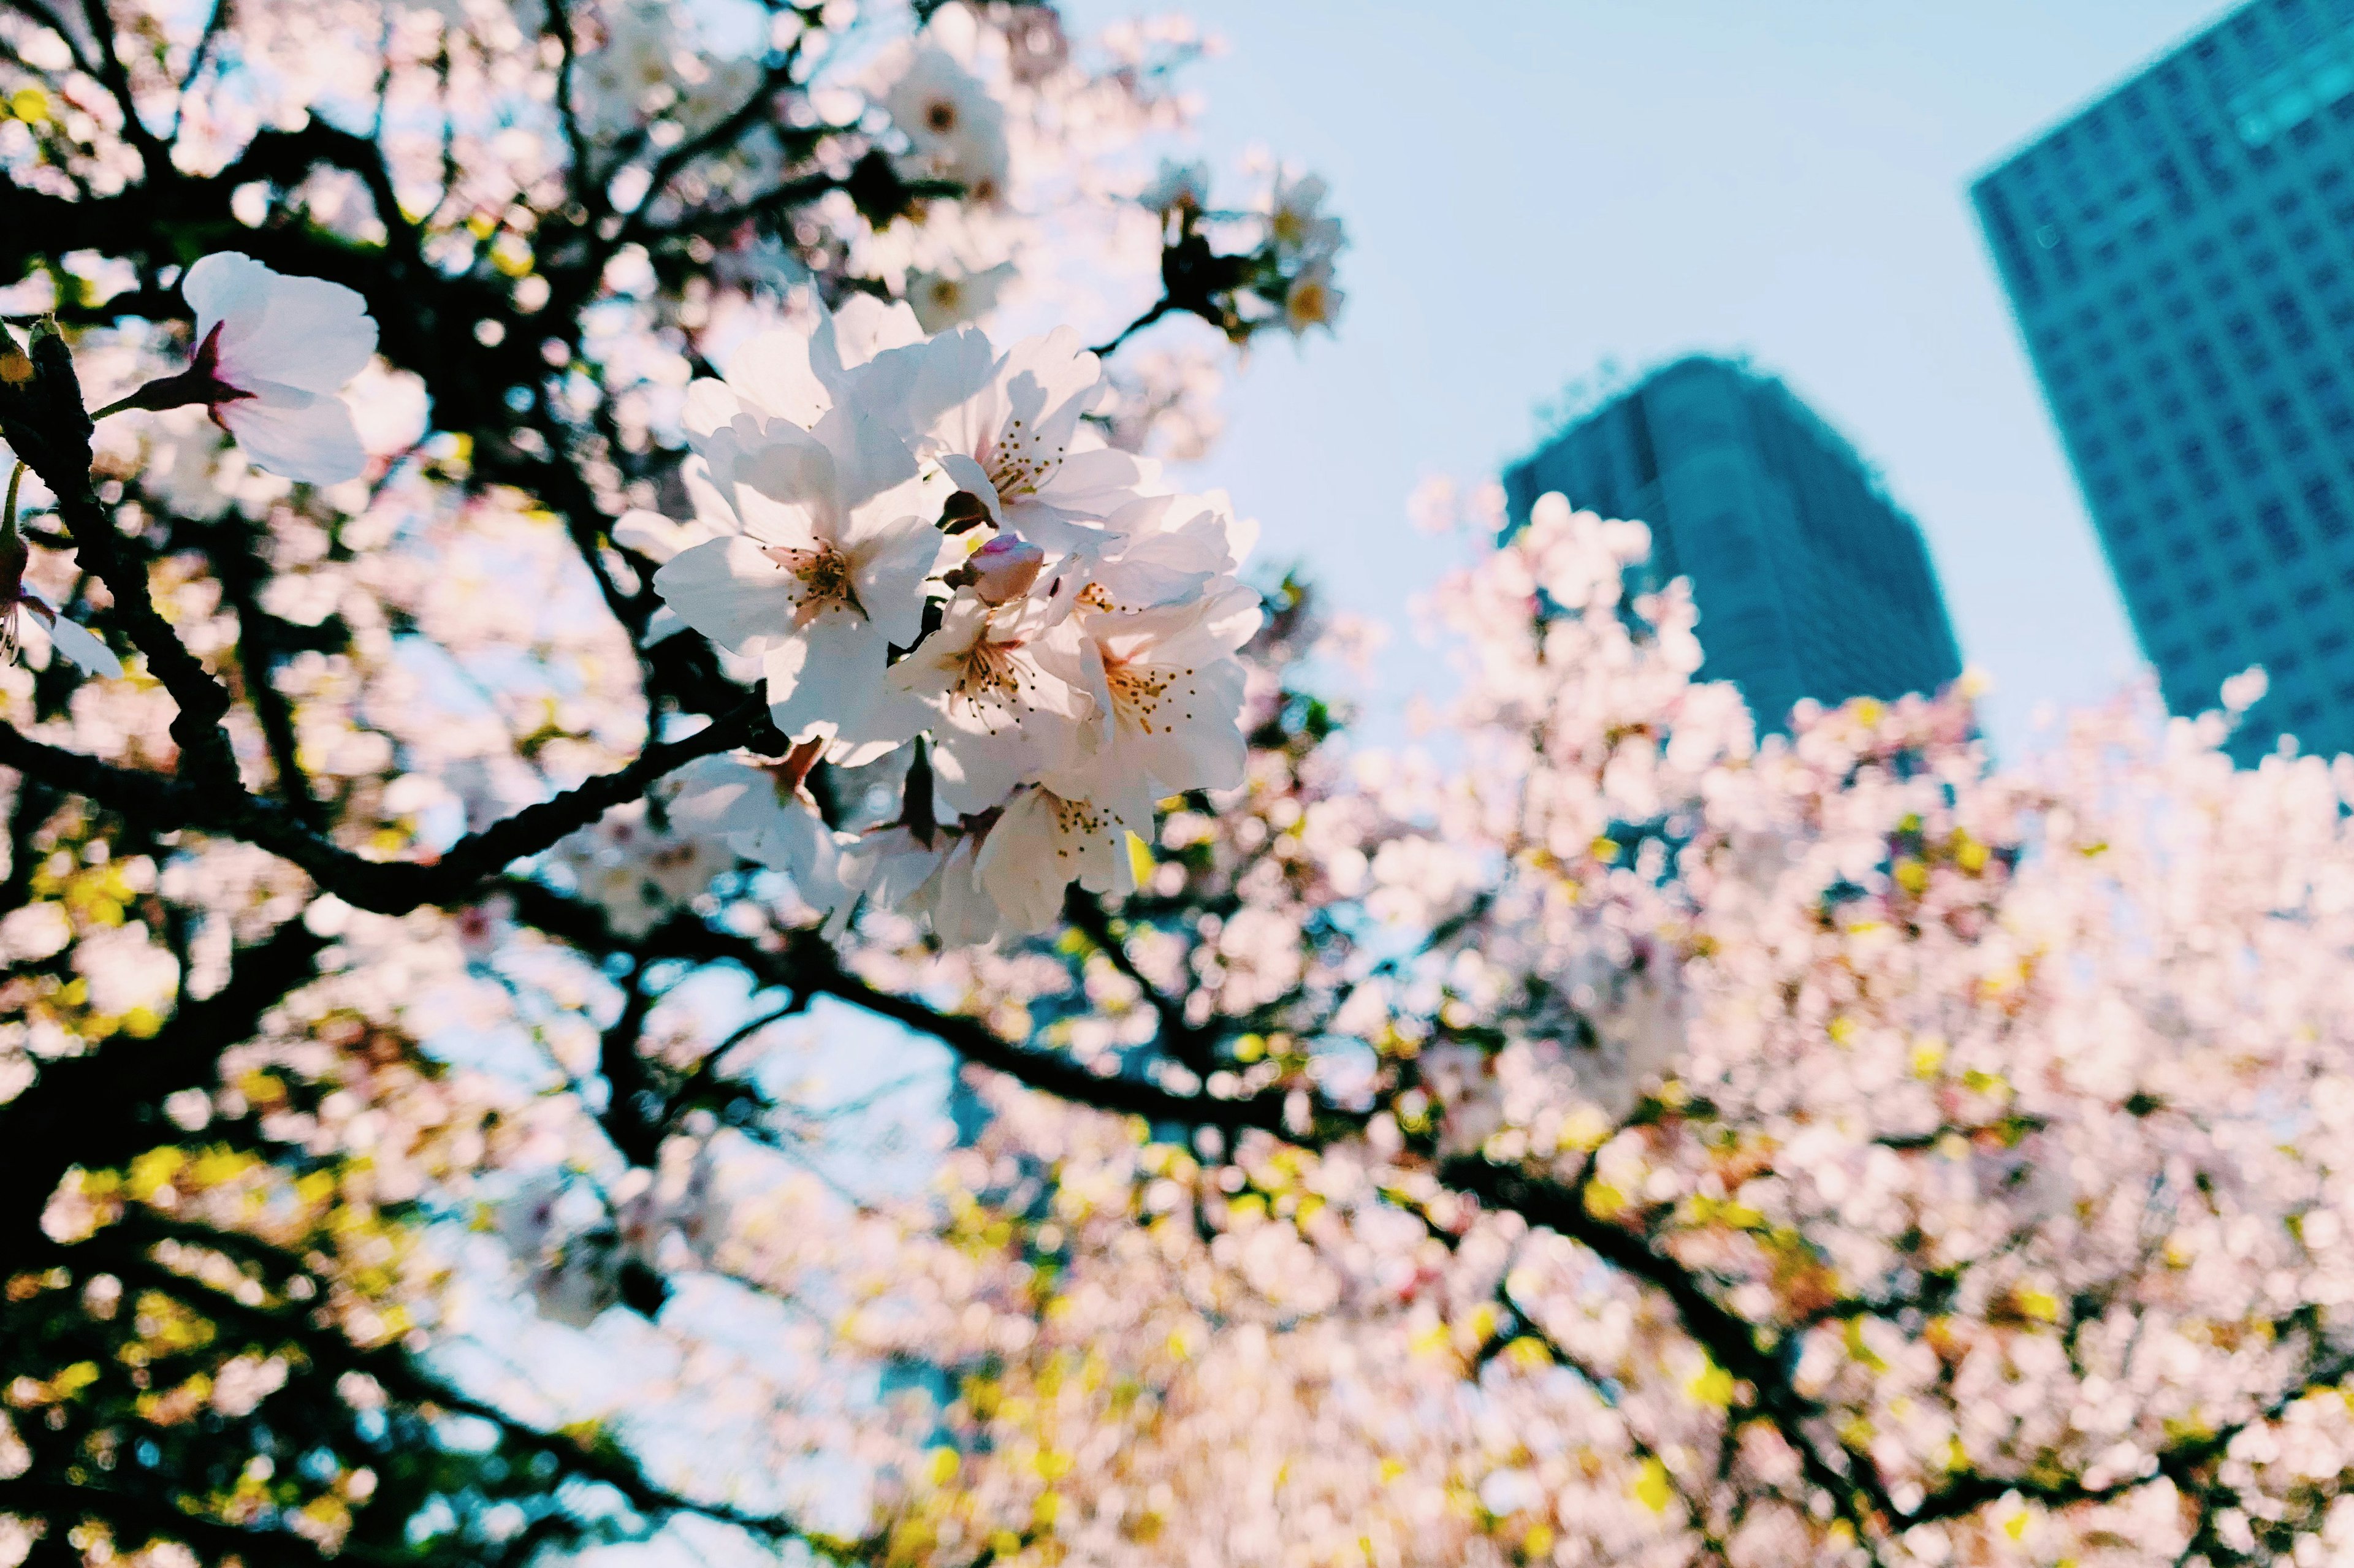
1809	582
2180	255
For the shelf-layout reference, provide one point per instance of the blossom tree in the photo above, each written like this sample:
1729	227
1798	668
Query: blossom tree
574	577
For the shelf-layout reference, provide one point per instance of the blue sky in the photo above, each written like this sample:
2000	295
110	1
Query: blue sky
1533	187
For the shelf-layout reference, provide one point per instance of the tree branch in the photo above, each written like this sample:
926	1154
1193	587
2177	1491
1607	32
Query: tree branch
99	1110
388	888
805	963
43	419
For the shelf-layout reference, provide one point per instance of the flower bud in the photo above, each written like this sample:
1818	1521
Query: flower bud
1004	568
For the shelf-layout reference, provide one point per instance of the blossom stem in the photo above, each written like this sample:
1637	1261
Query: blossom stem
189	387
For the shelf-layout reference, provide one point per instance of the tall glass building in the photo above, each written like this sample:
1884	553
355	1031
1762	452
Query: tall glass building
2180	255
1809	581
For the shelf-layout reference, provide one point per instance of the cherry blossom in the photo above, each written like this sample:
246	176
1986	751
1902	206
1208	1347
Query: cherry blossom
764	814
22	609
997	687
1310	300
543	1015
1050	623
819	577
272	354
1018	443
1297	221
935	880
942	300
955	128
1044	840
1168	695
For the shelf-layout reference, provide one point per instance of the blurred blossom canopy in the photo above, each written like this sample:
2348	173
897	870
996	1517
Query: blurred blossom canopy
661	890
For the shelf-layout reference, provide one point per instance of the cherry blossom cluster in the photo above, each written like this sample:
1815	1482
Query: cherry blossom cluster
1285	276
918	542
790	961
1740	1155
346	579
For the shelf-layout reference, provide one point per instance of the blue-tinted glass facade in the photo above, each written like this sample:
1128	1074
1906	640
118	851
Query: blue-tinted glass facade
2181	259
1809	581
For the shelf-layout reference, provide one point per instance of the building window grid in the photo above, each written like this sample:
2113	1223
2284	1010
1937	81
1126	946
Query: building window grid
2303	383
2306	411
2273	336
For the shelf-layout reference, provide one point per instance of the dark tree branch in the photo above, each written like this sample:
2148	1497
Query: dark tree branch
632	1115
99	1110
241	575
388	888
153	155
805	963
1185	1040
42	417
1731	1342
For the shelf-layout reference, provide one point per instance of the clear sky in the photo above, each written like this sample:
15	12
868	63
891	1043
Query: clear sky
1536	186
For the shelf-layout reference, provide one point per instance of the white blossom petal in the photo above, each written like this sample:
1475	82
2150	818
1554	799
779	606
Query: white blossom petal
303	333
305	436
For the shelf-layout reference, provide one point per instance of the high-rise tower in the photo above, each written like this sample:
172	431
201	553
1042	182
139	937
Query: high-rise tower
1809	581
2180	255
